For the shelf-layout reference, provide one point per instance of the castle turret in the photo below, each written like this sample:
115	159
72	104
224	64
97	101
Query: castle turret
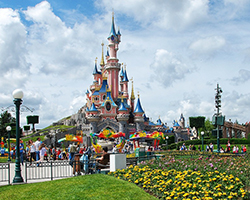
122	117
139	120
112	66
93	116
125	84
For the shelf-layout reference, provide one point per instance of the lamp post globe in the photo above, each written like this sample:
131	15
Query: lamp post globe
202	137
17	95
8	129
167	142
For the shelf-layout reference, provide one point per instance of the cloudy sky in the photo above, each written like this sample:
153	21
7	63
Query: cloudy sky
176	52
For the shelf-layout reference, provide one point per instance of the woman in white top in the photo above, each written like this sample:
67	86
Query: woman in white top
42	150
32	151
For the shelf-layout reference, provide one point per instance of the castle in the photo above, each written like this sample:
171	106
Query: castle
109	105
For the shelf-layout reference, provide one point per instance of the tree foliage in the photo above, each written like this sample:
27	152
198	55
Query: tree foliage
197	122
5	120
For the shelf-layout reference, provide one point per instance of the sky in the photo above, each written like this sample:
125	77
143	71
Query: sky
175	51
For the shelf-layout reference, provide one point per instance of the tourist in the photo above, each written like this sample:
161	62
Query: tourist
228	146
72	151
32	151
104	159
42	151
21	151
207	148
234	149
244	149
37	145
199	148
193	148
237	149
211	147
54	153
2	152
222	150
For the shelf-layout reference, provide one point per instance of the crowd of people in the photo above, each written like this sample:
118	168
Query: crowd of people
210	148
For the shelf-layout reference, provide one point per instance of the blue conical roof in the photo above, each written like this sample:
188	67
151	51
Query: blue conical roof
122	107
118	33
104	86
159	122
87	92
125	77
122	72
95	71
138	108
112	31
109	98
93	108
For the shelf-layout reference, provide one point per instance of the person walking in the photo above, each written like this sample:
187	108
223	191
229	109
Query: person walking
32	151
42	151
37	145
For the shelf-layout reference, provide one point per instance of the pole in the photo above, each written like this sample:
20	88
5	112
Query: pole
9	146
202	137
18	177
218	133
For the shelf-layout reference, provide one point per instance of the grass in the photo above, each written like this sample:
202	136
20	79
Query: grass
89	187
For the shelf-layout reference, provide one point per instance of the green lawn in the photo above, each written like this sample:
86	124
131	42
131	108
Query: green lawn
96	186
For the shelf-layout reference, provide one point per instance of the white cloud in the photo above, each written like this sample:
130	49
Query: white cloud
161	13
244	76
13	66
167	68
55	48
207	46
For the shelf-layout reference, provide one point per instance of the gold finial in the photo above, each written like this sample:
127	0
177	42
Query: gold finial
122	98
102	63
113	13
138	95
125	66
96	60
132	91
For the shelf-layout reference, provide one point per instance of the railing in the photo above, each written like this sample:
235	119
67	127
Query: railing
48	170
5	172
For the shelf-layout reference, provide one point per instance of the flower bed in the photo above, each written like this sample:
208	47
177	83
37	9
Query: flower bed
186	178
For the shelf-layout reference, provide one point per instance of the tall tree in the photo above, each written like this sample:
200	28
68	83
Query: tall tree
5	120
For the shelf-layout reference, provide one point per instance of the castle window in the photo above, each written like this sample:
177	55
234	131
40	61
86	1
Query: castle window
108	106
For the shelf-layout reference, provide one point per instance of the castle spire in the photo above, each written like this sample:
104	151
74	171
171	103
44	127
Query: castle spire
132	91
102	63
138	108
112	31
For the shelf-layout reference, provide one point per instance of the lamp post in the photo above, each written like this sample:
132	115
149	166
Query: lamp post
17	95
8	129
167	142
202	139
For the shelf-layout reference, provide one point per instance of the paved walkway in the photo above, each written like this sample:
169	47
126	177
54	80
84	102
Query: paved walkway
38	170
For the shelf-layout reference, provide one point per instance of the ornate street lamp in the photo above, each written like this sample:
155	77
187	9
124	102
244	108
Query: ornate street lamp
8	129
167	142
202	138
17	95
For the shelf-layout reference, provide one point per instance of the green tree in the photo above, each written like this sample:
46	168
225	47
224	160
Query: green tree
5	120
208	127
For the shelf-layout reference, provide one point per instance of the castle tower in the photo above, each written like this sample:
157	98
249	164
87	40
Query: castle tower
125	84
113	67
182	121
93	117
139	119
122	118
97	74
